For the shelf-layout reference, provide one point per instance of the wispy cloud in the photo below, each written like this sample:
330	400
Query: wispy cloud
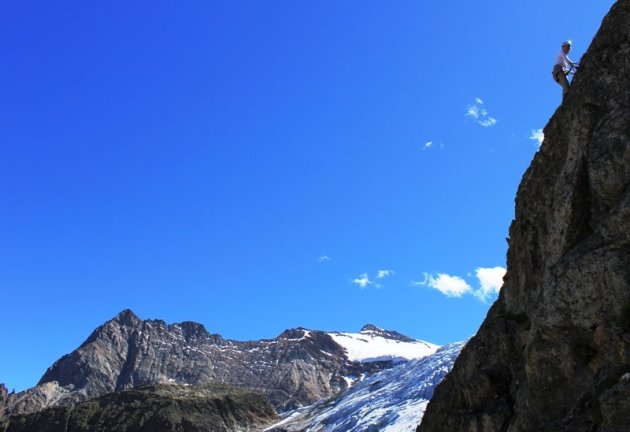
431	145
478	113
362	280
385	273
537	135
324	258
490	282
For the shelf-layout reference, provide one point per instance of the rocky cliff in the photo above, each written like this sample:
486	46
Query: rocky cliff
554	351
161	408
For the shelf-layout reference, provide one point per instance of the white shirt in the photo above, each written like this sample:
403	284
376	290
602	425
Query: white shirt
563	60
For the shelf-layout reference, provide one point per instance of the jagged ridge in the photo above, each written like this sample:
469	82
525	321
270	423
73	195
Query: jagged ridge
297	368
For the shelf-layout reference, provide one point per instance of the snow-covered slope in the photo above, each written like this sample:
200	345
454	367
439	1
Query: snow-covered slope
390	401
376	344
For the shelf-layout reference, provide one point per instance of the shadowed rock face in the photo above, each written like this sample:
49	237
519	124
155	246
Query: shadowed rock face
159	408
554	349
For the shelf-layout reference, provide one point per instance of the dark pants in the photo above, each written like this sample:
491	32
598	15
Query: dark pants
560	76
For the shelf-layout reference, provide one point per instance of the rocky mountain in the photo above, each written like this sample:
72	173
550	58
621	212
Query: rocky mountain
160	408
297	368
388	401
553	354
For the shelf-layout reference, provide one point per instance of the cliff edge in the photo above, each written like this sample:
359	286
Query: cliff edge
553	354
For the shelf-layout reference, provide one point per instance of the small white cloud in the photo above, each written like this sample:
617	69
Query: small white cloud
490	281
488	122
362	280
431	145
450	286
323	258
477	112
537	135
384	273
473	112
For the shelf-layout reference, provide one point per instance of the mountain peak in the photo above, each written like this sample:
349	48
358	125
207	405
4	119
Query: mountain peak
298	333
370	327
127	317
192	330
387	334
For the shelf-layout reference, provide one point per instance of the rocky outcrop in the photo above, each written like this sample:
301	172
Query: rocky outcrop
162	408
554	351
297	368
39	397
3	398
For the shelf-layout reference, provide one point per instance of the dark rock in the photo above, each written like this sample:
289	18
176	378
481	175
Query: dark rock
210	408
554	349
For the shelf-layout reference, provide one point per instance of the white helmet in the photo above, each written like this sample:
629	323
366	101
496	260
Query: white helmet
567	42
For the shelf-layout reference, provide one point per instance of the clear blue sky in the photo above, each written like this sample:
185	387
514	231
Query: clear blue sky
253	165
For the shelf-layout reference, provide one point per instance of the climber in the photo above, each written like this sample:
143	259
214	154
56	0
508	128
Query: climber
563	67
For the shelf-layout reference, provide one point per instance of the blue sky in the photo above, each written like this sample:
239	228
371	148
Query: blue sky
256	166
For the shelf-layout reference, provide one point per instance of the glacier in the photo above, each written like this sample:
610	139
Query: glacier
392	400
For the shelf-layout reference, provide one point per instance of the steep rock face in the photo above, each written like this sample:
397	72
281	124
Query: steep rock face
554	350
159	408
297	368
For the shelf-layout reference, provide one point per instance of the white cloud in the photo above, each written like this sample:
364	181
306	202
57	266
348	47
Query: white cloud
362	280
537	135
473	111
384	273
450	286
477	112
487	122
431	145
323	258
490	281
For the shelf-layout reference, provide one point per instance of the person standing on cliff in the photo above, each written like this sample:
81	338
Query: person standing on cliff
562	67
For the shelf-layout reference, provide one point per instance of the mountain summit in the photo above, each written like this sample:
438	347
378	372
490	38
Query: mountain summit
553	354
297	368
371	329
